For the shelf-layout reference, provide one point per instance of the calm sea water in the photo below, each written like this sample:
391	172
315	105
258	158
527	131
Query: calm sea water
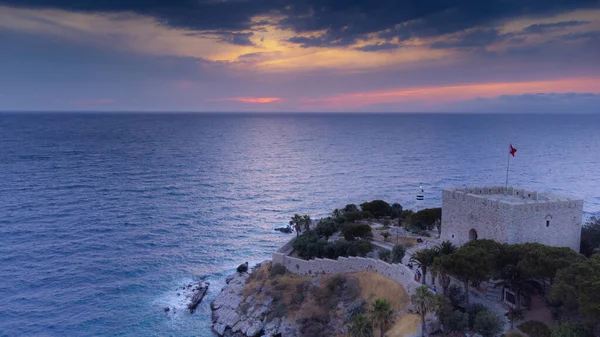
103	216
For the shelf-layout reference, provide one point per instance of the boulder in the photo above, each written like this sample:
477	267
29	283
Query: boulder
196	293
242	268
286	229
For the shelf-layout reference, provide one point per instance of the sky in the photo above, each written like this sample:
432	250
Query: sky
300	55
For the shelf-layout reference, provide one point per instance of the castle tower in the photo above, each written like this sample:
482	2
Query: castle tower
420	199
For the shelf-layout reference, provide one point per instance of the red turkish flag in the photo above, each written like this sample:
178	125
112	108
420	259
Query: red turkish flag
512	150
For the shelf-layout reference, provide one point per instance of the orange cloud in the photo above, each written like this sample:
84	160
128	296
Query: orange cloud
449	93
254	99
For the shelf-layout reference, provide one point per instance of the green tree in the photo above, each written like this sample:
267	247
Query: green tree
360	326
542	261
443	249
487	324
426	218
424	259
424	301
468	264
337	213
382	315
576	289
378	208
384	255
351	208
446	248
570	329
398	253
514	315
396	210
351	231
590	237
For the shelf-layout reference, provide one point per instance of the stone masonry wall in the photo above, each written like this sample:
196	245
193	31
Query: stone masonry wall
397	272
510	222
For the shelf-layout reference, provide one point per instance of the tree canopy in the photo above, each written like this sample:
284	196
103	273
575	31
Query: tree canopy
590	237
378	208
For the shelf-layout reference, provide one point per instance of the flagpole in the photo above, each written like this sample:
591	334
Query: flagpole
507	166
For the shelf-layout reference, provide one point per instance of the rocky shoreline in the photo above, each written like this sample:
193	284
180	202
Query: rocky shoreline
236	315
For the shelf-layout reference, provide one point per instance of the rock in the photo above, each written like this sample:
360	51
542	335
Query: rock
195	293
167	309
286	230
242	268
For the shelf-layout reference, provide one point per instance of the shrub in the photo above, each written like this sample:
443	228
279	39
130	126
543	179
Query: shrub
353	216
384	254
487	324
473	310
425	219
385	235
459	321
456	295
355	308
396	210
378	208
316	326
326	227
535	329
279	310
335	283
367	215
351	231
571	329
513	334
398	253
386	223
277	269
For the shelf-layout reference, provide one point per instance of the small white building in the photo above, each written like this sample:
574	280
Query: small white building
511	215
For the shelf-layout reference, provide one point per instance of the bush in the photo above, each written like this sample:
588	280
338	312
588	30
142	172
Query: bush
355	308
426	218
279	310
453	320
351	231
473	310
487	324
353	216
456	295
386	223
384	255
535	329
398	253
513	334
277	269
570	329
396	210
378	208
309	245
326	227
385	235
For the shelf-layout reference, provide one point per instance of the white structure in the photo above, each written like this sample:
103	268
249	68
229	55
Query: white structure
420	199
511	215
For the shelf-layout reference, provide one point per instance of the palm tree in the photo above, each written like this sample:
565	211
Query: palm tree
337	213
424	259
424	301
360	327
307	221
446	248
382	314
297	222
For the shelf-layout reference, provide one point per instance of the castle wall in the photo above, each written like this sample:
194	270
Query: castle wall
564	229
397	272
462	212
511	222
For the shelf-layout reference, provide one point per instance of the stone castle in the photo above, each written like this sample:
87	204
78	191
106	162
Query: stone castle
511	215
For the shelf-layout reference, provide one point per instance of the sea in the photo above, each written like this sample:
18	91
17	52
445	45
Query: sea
105	216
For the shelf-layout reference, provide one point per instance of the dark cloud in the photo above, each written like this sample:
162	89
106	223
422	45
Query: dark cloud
473	39
239	39
343	21
378	47
545	27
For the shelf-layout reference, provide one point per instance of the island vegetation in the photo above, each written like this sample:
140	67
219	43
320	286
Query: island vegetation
569	282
